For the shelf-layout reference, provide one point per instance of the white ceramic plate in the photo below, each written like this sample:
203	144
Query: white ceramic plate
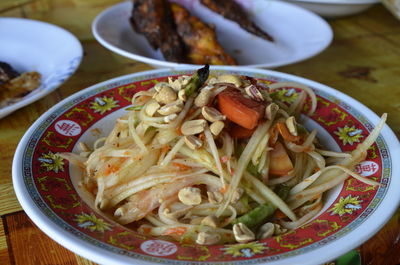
46	186
335	8
298	33
29	45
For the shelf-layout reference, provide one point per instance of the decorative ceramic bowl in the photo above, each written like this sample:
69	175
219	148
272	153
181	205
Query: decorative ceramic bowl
47	189
30	45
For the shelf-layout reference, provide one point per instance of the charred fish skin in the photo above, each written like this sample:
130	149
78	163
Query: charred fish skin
7	72
200	39
153	19
233	11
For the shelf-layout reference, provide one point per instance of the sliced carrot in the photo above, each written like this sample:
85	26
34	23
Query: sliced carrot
165	148
202	137
146	230
284	131
224	189
111	169
178	130
280	162
316	169
273	136
279	214
180	230
180	166
239	132
191	111
243	111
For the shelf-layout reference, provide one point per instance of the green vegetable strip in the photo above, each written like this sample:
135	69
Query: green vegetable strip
258	215
251	168
139	107
197	80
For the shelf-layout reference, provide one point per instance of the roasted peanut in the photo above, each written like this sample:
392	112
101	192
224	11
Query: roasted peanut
193	127
242	233
212	114
190	196
279	230
210	220
215	197
203	98
165	95
182	95
216	127
170	118
152	107
206	238
266	230
232	79
193	142
236	195
170	108
292	125
271	110
254	93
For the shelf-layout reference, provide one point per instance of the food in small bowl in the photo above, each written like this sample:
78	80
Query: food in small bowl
215	159
302	35
185	38
14	85
30	45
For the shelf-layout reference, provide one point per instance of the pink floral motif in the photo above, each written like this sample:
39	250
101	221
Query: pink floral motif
367	168
158	247
68	128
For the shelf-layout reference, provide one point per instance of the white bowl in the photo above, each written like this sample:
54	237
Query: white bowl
30	45
335	8
299	34
48	191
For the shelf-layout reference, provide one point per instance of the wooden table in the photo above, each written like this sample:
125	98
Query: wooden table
363	61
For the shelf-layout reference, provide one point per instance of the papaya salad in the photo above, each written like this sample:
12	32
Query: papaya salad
215	159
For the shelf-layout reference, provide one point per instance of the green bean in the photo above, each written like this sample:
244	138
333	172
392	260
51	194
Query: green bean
197	80
258	215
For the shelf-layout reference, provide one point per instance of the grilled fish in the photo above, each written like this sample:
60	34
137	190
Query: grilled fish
199	38
18	87
233	11
7	72
153	19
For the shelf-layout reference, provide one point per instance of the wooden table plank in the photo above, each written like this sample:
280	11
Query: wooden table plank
6	5
4	255
384	247
9	202
32	245
361	63
83	261
98	64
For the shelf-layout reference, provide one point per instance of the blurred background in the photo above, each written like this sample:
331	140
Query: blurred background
74	15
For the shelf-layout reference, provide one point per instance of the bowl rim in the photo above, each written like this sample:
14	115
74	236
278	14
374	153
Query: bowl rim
383	212
337	2
165	64
77	46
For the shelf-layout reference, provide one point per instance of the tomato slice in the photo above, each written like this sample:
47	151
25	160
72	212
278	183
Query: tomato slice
239	132
284	131
280	162
243	111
